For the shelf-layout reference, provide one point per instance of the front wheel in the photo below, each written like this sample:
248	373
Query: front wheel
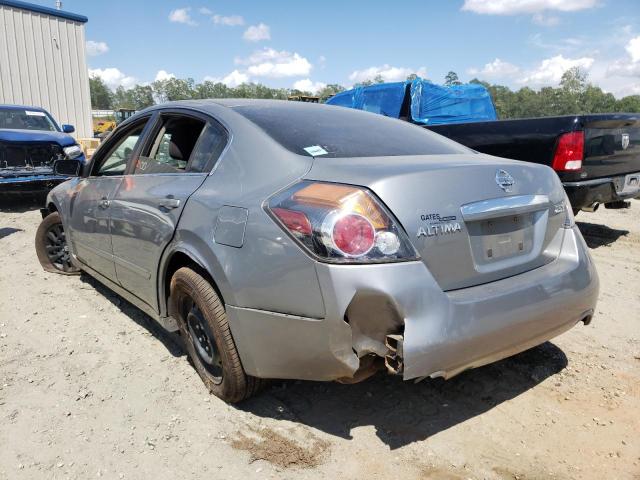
204	328
51	246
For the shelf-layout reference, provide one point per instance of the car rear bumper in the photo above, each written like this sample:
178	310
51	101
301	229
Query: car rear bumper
602	190
441	333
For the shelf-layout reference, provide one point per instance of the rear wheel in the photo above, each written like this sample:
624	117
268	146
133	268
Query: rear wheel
204	328
51	246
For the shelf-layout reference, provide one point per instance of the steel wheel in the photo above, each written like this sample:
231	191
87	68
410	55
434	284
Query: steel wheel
203	341
203	325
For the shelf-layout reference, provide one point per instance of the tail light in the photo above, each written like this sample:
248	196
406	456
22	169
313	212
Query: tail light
340	223
569	152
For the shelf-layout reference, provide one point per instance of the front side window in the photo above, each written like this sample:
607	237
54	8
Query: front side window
119	154
19	119
172	147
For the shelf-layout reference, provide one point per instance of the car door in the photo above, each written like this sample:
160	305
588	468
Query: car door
89	208
145	210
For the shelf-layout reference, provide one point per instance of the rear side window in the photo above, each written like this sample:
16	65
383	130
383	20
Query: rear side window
172	146
335	132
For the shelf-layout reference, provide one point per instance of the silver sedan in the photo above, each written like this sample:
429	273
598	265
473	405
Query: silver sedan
304	241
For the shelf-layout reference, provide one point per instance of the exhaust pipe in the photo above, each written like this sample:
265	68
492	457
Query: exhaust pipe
591	208
393	360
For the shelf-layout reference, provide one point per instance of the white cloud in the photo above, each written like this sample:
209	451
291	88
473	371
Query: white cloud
229	21
496	69
622	75
514	7
633	48
164	75
205	11
256	33
307	85
275	64
623	68
550	70
96	48
182	15
545	20
387	72
234	79
113	77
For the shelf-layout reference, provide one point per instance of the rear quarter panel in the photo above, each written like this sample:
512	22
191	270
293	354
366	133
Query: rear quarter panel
269	271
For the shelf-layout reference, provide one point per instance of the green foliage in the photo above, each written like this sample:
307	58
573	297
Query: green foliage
101	96
137	98
330	90
574	95
451	78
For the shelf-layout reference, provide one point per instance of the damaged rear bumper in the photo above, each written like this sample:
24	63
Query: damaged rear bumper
398	311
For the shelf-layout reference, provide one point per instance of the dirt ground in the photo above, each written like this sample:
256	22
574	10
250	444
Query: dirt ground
91	387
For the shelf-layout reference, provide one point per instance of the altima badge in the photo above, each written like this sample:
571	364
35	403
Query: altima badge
504	180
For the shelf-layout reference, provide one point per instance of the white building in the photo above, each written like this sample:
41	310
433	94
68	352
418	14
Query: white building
43	62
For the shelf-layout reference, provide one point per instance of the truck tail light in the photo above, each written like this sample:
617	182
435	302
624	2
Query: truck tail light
340	223
569	152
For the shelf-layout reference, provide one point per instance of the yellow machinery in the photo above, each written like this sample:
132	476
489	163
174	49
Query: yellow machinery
105	126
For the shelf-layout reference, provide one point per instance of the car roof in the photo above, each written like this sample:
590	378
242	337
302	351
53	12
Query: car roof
21	107
283	106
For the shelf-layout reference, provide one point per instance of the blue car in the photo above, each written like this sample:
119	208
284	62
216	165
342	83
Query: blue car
30	142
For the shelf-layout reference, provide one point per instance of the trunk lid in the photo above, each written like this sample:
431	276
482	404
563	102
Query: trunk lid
467	229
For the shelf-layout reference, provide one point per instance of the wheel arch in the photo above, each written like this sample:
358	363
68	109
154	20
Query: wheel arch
175	259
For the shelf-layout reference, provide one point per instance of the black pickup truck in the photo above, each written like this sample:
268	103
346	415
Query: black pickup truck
597	157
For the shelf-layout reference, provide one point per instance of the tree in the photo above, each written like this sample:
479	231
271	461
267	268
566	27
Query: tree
451	79
101	96
372	81
330	90
630	104
136	98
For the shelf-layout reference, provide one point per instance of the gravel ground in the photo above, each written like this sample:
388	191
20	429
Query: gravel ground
91	387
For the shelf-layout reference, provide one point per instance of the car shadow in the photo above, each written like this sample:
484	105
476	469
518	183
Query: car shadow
171	341
406	412
6	231
22	203
599	235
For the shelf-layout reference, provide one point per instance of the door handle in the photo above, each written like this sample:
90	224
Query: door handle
169	203
104	203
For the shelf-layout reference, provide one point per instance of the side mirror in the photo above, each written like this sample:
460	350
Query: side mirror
68	128
67	168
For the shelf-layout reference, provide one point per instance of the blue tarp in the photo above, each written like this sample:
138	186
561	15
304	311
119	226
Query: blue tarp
430	104
433	104
383	98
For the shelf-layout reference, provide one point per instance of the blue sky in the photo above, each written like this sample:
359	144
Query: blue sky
285	43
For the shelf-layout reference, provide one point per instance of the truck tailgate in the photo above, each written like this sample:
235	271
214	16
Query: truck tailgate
612	145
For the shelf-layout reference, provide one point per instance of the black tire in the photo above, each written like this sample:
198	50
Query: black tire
51	246
207	338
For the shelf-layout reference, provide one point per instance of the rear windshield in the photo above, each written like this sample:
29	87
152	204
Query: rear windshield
18	119
335	132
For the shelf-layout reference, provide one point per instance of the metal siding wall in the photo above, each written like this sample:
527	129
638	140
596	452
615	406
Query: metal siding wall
43	63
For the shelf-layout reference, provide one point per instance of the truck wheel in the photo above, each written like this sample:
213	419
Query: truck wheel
207	338
51	246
